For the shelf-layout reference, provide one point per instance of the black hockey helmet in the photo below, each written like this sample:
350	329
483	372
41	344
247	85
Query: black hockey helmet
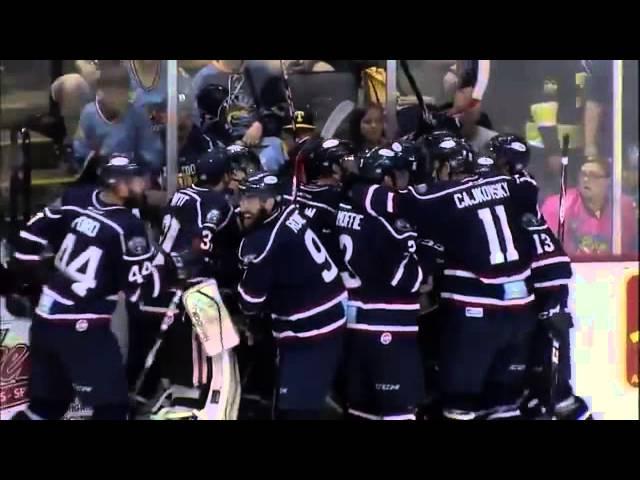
324	156
212	101
418	159
244	159
121	166
510	151
457	153
263	184
379	162
212	165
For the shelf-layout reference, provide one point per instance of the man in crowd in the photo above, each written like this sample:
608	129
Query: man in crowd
589	213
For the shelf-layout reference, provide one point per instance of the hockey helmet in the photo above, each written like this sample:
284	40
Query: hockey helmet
121	166
380	162
263	184
417	157
324	156
244	159
457	154
212	165
510	151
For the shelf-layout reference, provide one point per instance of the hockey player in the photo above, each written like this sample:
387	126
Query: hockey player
384	377
550	273
319	197
486	293
99	251
244	163
199	216
289	274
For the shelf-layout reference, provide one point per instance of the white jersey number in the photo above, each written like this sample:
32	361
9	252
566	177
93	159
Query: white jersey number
496	255
349	278
543	243
320	256
82	269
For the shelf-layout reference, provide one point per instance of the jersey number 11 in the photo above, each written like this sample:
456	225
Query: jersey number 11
496	254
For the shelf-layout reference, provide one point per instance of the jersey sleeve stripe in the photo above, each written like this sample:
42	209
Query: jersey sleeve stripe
396	278
385	306
310	333
24	256
33	238
58	298
140	257
382	328
497	280
416	285
49	214
35	218
313	311
551	283
487	300
548	261
249	298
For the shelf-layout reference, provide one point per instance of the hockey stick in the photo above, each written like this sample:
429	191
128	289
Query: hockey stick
425	114
336	118
292	114
164	326
563	186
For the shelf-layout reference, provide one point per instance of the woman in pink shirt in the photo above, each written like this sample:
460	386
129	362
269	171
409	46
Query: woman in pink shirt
588	213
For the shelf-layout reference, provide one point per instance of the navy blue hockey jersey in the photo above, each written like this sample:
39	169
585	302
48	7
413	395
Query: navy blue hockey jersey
204	218
478	221
319	204
289	273
99	251
383	271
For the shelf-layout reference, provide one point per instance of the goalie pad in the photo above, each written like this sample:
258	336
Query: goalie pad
210	318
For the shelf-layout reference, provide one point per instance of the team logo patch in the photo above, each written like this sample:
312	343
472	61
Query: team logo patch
385	338
486	161
396	147
213	217
82	325
137	245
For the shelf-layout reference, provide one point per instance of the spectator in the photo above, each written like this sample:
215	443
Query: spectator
366	128
254	92
588	213
305	134
111	124
148	88
473	78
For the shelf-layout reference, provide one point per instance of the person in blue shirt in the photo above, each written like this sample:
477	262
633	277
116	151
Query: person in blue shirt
112	124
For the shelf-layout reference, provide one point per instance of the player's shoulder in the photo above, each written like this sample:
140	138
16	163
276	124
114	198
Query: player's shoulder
276	231
323	196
